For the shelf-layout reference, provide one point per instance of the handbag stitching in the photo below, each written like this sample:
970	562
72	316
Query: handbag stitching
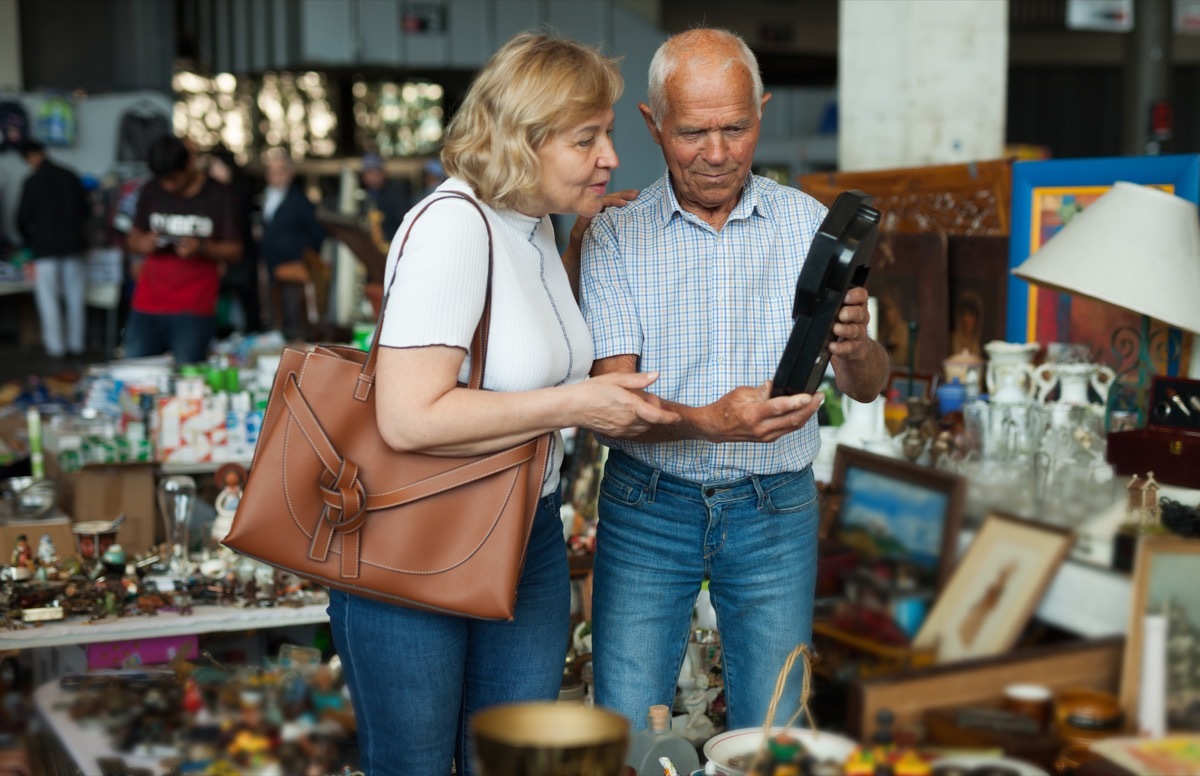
520	474
491	529
324	512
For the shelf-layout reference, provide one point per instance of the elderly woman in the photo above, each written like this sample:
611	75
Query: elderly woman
531	138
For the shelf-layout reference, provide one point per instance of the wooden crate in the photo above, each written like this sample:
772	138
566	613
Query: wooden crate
1092	663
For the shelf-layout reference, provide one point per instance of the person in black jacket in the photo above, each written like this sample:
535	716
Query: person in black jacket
289	228
52	218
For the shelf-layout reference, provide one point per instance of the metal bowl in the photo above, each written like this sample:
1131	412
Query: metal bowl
24	498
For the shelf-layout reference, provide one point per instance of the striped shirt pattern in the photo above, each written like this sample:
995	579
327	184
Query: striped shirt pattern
708	310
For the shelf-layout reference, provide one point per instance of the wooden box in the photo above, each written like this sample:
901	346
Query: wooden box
1093	664
1169	446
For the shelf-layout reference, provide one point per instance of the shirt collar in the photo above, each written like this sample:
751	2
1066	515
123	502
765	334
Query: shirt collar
519	221
748	204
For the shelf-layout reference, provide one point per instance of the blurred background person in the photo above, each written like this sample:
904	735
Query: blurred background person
185	228
240	280
52	219
290	229
432	176
385	200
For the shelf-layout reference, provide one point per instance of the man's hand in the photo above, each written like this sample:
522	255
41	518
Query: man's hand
852	343
860	364
749	414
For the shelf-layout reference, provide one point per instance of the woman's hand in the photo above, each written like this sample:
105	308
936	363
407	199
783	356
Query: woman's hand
615	199
617	405
572	255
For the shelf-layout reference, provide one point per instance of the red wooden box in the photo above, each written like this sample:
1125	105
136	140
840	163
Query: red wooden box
1169	446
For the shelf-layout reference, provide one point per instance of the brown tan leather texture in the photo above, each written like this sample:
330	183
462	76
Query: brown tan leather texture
329	500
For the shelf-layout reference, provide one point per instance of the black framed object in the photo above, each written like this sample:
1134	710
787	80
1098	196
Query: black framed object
838	260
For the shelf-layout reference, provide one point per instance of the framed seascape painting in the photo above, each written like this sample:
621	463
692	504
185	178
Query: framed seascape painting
899	512
996	586
1046	195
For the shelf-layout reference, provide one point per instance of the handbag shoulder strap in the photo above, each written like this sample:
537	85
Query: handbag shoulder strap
479	340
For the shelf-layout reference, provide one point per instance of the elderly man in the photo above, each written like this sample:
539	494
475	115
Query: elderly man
695	280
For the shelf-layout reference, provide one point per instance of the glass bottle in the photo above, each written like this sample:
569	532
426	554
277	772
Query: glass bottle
657	740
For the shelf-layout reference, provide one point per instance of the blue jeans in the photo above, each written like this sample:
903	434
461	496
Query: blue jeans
417	677
659	537
186	337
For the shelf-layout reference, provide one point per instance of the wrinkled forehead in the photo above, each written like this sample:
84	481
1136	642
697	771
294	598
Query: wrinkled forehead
710	95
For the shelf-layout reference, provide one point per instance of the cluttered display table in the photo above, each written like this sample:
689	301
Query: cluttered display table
160	624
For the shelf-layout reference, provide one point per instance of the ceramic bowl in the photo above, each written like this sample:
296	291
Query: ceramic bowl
722	748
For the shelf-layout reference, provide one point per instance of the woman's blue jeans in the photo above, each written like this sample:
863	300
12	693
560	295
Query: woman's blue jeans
659	537
417	677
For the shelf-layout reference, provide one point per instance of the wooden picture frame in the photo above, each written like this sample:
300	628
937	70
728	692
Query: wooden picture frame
923	385
1092	664
1166	568
1045	195
893	509
998	583
909	279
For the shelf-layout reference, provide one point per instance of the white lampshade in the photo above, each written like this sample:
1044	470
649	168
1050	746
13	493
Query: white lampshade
1135	247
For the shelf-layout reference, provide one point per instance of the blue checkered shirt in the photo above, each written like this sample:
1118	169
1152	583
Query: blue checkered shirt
708	310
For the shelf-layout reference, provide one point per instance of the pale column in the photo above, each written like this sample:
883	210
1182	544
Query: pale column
10	46
920	82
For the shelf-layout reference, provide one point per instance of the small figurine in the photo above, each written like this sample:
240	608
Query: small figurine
47	553
22	554
1142	508
231	477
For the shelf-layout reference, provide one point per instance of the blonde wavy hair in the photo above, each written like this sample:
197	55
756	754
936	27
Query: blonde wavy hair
534	86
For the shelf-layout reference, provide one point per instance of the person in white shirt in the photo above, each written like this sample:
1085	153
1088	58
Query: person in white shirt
531	138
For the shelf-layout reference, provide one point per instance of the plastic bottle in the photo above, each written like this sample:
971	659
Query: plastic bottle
657	740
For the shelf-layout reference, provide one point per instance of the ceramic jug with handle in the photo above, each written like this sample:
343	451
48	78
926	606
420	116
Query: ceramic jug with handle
1073	382
863	423
1010	377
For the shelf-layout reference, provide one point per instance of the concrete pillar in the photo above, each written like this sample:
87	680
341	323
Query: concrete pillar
920	82
11	78
1147	74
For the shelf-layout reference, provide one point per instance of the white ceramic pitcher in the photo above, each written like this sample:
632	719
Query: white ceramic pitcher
862	424
1010	378
1073	381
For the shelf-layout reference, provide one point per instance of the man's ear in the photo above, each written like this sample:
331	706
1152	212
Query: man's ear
766	96
648	117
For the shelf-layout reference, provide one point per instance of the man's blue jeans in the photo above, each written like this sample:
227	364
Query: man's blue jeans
186	337
659	537
417	677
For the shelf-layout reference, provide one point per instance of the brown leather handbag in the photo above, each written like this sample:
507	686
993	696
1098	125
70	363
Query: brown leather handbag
328	499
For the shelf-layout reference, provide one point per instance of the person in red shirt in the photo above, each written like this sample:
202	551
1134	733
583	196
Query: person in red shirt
186	228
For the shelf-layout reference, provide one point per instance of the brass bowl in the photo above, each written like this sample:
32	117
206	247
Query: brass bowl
549	739
1082	715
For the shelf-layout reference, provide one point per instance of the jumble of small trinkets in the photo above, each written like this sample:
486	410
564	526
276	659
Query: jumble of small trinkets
289	716
42	587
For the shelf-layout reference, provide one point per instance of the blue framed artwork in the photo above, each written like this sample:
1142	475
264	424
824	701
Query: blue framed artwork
1045	195
894	510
